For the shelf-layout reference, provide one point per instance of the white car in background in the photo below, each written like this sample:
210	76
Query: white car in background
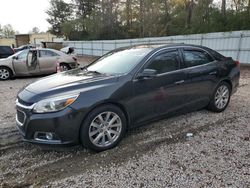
36	62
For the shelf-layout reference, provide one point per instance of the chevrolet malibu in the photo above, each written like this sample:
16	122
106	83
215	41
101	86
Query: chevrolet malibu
128	87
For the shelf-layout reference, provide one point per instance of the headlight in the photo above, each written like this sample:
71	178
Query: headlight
54	104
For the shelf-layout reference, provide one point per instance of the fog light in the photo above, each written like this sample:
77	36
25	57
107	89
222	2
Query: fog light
49	136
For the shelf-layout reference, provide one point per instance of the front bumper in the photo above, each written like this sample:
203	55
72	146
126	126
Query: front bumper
64	126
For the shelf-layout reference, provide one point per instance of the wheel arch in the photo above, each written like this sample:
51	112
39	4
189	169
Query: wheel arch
11	70
228	81
119	105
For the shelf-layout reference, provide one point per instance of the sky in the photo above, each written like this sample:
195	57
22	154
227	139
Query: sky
23	15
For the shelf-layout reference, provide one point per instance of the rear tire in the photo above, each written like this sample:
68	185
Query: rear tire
64	67
220	98
5	73
103	128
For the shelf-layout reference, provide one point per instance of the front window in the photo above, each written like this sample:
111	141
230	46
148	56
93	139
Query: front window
23	54
165	62
119	62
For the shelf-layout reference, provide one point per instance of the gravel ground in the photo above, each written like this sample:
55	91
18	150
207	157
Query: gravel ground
156	155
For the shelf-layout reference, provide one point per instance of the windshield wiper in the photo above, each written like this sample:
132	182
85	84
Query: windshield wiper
95	72
88	71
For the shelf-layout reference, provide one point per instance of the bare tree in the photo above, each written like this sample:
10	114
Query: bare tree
223	7
189	9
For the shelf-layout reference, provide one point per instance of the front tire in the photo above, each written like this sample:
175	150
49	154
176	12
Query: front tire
5	73
220	98
103	128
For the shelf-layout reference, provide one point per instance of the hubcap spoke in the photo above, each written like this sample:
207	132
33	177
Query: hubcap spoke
113	120
103	139
109	136
94	132
100	118
97	138
115	125
93	124
113	132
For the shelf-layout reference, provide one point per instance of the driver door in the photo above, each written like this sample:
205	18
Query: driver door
19	63
163	93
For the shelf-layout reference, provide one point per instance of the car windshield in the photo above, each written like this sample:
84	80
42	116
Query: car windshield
119	62
19	54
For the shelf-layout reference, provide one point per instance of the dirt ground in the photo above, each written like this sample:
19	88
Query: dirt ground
156	155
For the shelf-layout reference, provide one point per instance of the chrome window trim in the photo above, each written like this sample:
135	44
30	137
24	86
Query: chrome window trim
181	47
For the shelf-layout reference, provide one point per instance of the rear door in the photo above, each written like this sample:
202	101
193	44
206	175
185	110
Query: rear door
202	76
47	61
161	94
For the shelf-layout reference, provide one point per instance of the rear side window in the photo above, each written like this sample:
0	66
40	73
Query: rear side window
47	53
196	57
165	62
216	55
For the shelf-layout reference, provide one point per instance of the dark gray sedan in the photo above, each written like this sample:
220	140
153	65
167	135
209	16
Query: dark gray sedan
127	87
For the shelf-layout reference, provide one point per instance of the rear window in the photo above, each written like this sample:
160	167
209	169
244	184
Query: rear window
47	53
6	50
215	54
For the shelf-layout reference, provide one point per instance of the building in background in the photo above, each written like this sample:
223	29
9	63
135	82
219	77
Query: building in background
36	39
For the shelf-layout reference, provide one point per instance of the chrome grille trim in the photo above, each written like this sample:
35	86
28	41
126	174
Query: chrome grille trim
24	106
17	120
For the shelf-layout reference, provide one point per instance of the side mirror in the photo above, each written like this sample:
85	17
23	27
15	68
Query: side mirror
15	57
147	73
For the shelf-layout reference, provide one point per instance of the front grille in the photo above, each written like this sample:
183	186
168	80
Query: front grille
20	117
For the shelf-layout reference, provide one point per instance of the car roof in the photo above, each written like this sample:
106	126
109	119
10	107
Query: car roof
50	49
160	45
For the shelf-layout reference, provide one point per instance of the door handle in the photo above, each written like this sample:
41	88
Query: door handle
213	73
180	82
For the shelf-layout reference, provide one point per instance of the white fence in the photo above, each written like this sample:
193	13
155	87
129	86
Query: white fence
235	44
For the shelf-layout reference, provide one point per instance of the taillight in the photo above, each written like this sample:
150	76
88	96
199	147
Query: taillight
237	63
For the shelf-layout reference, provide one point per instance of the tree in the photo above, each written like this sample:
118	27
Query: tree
59	13
223	7
35	30
8	31
116	19
1	31
83	9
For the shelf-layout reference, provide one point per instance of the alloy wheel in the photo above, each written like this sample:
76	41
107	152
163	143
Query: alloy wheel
105	129
222	96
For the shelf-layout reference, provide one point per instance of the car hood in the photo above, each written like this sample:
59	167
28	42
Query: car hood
75	80
5	61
